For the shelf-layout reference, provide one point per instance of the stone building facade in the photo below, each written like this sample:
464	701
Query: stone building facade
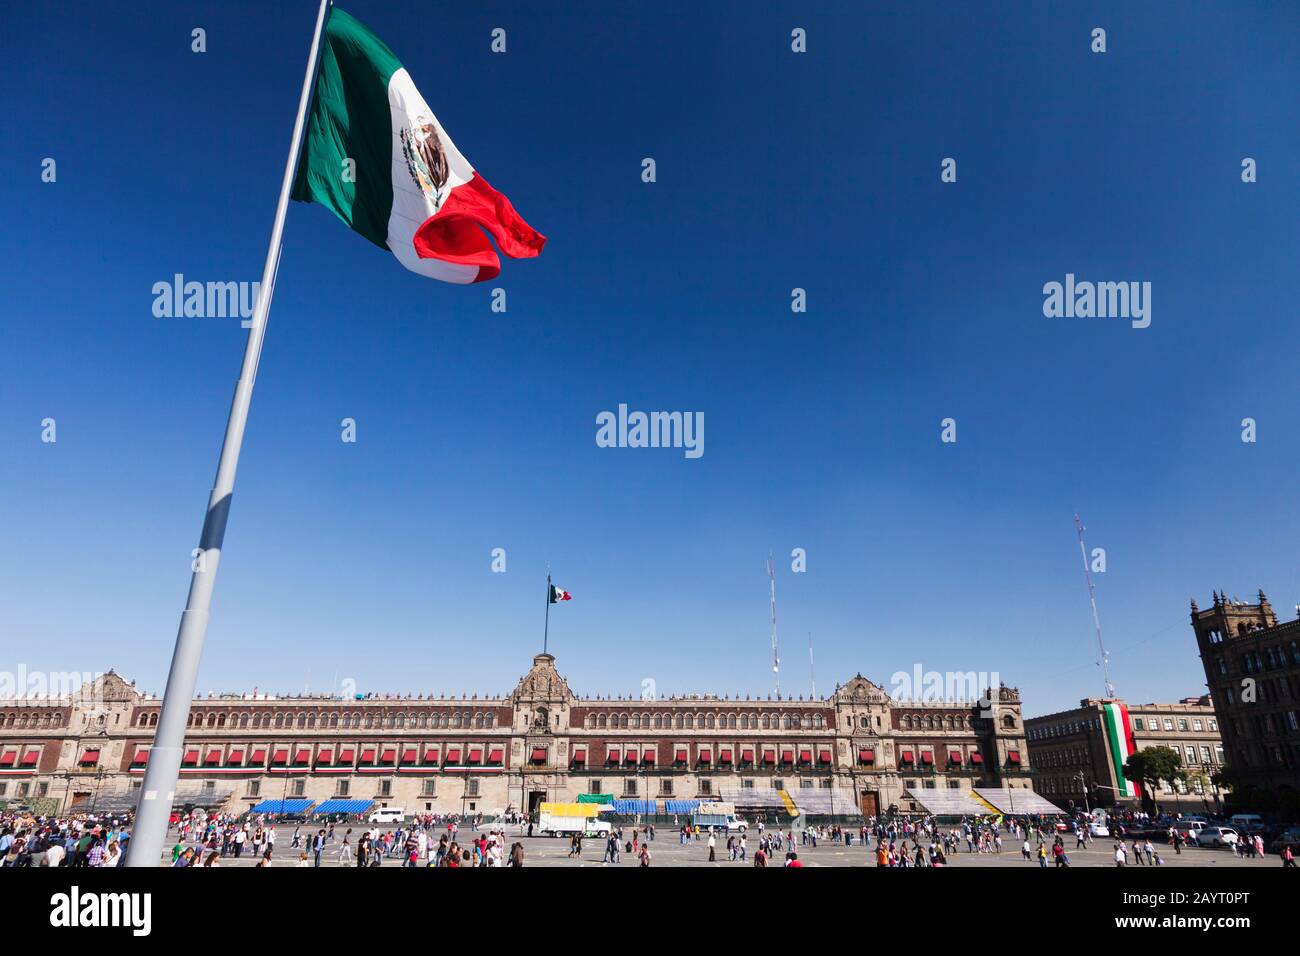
1075	756
540	743
1252	668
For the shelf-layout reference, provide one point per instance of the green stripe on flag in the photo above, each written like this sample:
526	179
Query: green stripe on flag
1113	731
350	119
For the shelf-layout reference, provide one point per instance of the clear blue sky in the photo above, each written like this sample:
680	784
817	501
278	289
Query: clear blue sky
477	430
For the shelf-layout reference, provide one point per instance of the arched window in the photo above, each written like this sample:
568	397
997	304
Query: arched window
1008	721
622	721
279	721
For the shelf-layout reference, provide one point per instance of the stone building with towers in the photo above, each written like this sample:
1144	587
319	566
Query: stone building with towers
1252	669
855	752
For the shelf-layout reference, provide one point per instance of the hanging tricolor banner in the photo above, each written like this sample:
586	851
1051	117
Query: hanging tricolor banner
1119	736
376	156
559	594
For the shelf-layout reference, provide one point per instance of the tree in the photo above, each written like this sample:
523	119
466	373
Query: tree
1148	767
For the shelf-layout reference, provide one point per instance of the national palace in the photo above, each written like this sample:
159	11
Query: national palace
856	751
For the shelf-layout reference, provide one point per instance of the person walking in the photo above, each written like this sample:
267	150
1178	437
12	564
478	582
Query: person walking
712	845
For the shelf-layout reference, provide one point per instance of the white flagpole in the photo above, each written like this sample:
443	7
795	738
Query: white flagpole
154	809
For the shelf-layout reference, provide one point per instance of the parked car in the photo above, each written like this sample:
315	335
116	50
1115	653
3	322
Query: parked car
1289	836
1216	836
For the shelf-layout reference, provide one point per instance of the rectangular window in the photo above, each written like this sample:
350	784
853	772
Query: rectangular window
954	784
1191	754
666	787
1182	725
805	784
1169	724
1196	725
24	789
778	784
593	786
42	789
254	788
429	789
1214	725
341	788
386	788
746	784
471	788
1205	755
1137	723
629	787
298	787
929	784
706	787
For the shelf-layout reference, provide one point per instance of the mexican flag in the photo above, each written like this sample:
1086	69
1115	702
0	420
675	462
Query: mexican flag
374	154
1119	736
559	594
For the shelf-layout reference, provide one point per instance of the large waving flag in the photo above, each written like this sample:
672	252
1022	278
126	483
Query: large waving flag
375	154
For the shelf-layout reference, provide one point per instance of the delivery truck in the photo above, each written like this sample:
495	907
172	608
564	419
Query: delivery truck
566	819
719	816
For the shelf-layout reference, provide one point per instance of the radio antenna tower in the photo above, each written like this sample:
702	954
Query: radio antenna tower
1096	621
776	661
812	669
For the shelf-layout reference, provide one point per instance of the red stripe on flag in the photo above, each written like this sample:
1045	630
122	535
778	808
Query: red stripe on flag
450	234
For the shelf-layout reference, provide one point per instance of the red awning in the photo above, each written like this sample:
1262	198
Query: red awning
8	758
495	755
280	756
629	757
213	758
824	756
747	755
927	757
787	756
805	756
389	755
408	755
90	757
680	755
539	755
613	755
303	756
259	756
453	755
579	754
905	756
325	757
866	756
769	756
954	756
368	755
235	757
475	755
706	755
1013	756
346	755
724	756
191	758
976	758
431	756
648	757
140	759
31	758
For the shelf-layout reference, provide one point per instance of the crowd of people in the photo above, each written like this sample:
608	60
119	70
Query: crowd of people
82	840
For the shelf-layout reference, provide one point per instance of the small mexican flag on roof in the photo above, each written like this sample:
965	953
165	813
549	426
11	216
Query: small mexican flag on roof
559	594
376	156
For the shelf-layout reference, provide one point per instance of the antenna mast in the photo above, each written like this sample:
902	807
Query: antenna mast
812	669
776	661
1096	621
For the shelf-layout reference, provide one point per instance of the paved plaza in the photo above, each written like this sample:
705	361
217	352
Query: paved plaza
667	851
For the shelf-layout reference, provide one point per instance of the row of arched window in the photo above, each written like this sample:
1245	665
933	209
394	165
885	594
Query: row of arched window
646	721
358	720
46	719
935	722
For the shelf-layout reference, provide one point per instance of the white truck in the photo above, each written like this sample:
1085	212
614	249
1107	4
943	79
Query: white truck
560	819
719	816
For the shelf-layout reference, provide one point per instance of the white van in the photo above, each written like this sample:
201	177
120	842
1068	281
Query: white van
388	815
1247	821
